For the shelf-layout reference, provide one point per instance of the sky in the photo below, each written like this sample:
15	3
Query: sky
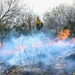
41	6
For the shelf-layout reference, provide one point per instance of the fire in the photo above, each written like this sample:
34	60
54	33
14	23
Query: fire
73	40
1	44
21	47
47	42
64	34
38	45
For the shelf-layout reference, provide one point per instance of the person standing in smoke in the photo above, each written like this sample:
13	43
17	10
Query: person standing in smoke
39	24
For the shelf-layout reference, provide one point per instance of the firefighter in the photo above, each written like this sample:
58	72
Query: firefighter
39	24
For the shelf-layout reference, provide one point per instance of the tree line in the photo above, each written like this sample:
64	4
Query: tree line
14	15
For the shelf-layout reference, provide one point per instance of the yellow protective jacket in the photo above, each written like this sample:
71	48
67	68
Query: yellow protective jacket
38	22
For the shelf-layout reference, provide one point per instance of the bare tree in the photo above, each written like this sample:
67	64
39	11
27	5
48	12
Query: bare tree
10	11
30	19
26	21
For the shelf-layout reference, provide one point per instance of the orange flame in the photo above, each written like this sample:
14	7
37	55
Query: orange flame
64	34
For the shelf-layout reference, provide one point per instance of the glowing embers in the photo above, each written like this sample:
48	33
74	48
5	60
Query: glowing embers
64	34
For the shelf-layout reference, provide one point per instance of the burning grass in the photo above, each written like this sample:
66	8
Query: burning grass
39	54
64	34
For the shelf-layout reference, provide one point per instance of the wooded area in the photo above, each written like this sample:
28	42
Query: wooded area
17	20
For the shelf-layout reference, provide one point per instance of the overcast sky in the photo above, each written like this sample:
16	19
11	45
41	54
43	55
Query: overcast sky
39	7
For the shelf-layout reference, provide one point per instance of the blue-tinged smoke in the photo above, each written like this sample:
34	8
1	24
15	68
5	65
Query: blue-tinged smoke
39	48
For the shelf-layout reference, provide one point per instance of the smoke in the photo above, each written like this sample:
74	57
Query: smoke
35	48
